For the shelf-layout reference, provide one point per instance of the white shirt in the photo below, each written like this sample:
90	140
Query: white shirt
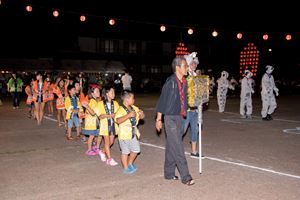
126	80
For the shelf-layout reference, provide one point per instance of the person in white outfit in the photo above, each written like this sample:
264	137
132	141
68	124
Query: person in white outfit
126	81
223	85
268	88
246	95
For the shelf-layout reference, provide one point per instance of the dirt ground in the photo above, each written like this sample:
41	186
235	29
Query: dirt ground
243	159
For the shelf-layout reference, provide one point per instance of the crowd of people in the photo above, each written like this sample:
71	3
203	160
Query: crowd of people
97	117
91	109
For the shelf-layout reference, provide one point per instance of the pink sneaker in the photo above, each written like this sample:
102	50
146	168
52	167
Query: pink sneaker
102	156
96	150
111	162
90	153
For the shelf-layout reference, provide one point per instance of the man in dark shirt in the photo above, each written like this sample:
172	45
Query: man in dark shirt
173	105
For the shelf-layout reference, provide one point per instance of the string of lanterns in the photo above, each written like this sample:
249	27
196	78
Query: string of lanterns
163	27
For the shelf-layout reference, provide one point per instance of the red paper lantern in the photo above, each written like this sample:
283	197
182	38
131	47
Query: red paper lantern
55	13
82	18
239	36
162	28
190	31
265	37
28	8
112	22
288	37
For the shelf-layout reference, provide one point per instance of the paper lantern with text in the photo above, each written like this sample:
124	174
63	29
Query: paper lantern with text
249	57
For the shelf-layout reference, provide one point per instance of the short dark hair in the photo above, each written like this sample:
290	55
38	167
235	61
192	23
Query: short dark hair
126	94
176	62
70	87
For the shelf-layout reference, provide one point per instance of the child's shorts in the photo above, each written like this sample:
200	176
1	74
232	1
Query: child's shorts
128	146
91	132
74	120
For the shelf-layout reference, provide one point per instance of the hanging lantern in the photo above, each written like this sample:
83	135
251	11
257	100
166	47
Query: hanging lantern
288	37
190	31
251	58
239	36
214	33
55	13
112	22
28	8
265	37
162	28
82	18
181	50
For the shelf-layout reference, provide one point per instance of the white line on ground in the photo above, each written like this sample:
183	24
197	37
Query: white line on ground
218	159
51	119
231	121
234	163
254	116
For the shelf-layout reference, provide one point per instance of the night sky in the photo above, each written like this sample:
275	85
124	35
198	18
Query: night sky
39	34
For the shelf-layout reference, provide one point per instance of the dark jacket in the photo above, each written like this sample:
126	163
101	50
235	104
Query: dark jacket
169	100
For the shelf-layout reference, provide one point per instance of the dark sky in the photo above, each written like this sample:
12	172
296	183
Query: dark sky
43	34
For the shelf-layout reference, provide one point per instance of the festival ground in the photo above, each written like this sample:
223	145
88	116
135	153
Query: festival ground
244	159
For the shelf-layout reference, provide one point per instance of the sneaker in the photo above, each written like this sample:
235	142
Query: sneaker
195	155
132	167
128	170
265	119
269	117
111	162
102	156
90	153
248	117
96	149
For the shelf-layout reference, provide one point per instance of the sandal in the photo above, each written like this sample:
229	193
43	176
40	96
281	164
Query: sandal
69	138
173	178
190	182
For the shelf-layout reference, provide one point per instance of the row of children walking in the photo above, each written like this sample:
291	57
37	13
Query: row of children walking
105	118
95	116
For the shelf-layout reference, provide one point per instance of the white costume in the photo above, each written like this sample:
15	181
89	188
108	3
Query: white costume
126	81
223	85
246	95
191	58
267	95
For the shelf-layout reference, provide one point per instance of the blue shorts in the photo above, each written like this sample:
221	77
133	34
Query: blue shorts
74	120
91	132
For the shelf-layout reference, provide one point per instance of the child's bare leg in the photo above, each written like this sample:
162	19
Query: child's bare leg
111	140
90	141
78	131
98	142
42	111
124	159
107	146
69	132
58	116
132	157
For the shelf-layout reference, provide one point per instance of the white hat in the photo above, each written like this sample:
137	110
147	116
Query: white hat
190	58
